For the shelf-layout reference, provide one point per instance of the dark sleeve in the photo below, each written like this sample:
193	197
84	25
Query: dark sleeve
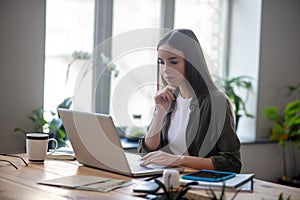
228	156
142	149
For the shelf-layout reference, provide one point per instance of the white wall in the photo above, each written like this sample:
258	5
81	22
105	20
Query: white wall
266	160
279	57
279	66
22	37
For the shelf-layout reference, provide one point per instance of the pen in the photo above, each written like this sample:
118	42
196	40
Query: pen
153	177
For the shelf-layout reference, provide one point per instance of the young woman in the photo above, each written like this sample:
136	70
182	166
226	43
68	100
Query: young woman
193	124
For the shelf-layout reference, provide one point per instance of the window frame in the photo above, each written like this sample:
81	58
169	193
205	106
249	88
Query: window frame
103	30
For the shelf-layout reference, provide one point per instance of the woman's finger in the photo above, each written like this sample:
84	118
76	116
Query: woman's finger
148	155
169	93
168	97
163	95
149	158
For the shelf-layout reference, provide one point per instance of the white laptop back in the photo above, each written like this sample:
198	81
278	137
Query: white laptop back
95	142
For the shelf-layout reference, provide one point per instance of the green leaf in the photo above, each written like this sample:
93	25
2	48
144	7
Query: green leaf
62	133
20	130
292	108
280	196
249	115
295	133
66	103
277	132
272	113
229	86
295	120
40	124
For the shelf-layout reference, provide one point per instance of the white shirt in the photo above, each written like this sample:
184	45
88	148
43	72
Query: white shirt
177	130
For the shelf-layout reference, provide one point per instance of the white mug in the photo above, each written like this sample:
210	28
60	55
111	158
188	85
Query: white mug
37	146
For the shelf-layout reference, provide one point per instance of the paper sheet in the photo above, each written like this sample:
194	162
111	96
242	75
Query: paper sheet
92	183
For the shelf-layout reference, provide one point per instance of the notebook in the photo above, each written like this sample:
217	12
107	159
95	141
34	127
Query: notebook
96	144
241	182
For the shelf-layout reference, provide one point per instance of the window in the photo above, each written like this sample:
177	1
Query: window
135	14
69	28
134	20
136	81
207	19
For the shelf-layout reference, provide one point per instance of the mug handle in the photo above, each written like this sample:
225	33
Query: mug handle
56	146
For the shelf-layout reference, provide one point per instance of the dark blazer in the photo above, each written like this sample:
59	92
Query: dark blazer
210	132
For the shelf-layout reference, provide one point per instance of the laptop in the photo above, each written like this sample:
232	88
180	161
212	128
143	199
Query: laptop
96	144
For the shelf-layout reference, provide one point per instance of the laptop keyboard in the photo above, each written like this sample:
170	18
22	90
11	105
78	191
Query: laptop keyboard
134	161
137	167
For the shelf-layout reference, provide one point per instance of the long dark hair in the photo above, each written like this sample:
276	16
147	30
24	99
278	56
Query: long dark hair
196	71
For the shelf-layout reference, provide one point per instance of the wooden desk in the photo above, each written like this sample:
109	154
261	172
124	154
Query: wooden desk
263	190
21	184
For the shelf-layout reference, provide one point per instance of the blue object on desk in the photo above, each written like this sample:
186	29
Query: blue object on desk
209	175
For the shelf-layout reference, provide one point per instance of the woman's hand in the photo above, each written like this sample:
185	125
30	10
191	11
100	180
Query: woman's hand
164	97
161	158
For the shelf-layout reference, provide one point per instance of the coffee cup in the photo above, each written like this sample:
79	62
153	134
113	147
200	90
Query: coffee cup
37	146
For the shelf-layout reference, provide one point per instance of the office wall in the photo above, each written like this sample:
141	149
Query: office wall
22	36
279	66
266	160
279	57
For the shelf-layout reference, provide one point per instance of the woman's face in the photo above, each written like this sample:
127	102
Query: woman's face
171	63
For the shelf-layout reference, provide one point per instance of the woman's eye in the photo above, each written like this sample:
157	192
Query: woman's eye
174	62
160	62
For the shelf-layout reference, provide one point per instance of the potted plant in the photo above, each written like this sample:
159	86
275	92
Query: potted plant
230	86
286	128
52	126
170	193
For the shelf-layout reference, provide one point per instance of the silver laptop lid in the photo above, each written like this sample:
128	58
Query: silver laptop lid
95	141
